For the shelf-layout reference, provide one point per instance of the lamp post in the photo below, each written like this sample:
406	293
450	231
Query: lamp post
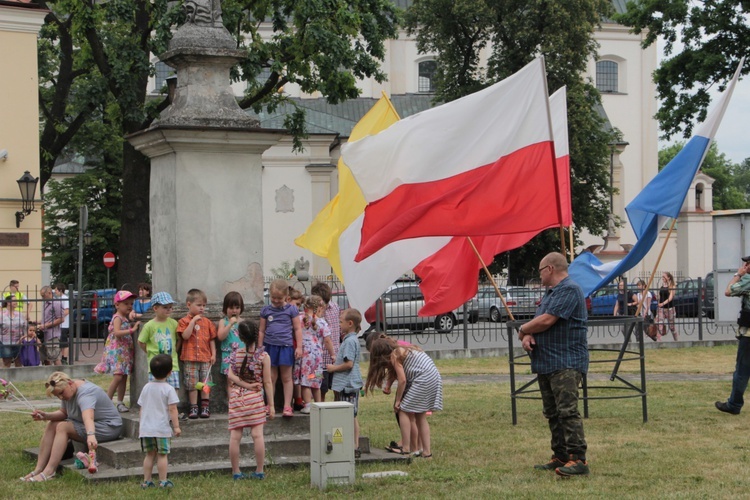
27	184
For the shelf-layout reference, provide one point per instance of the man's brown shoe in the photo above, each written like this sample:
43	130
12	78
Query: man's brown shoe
553	464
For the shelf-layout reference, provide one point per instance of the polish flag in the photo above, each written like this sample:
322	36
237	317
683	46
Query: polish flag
449	277
477	166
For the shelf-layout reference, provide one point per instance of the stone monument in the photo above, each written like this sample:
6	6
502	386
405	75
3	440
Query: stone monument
205	193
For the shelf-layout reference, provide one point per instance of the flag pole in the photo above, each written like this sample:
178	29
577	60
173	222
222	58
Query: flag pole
570	247
562	240
487	271
656	266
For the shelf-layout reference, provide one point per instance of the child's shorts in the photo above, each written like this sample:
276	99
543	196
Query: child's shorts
348	397
195	372
159	445
173	379
281	355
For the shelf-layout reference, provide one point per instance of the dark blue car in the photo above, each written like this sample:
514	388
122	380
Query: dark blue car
603	300
97	309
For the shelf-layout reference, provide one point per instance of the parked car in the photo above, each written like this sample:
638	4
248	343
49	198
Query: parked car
521	301
603	300
526	300
490	306
399	305
97	309
688	297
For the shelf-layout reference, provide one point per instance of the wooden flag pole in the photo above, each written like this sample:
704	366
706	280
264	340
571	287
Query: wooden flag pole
487	271
570	247
656	266
562	240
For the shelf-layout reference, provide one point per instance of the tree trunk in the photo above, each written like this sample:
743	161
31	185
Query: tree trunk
135	231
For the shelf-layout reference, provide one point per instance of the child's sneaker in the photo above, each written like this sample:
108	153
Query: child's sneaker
147	484
122	408
240	476
193	413
258	475
166	484
305	409
205	412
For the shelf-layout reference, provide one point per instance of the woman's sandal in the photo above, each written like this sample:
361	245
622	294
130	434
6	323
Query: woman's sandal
28	476
393	447
43	478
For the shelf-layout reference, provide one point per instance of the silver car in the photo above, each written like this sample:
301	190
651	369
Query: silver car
399	307
521	301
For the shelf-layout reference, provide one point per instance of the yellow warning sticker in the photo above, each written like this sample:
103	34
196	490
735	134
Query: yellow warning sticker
338	435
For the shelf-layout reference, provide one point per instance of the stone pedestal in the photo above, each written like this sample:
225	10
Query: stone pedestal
206	220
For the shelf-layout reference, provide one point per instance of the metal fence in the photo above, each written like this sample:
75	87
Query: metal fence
88	318
483	333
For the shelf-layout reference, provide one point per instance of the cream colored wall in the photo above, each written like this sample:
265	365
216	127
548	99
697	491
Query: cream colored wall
19	134
309	175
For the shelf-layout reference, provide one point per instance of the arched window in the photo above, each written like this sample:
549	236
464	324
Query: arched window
699	196
607	76
426	82
162	72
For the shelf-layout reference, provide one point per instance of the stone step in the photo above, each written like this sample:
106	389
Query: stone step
247	464
217	425
126	453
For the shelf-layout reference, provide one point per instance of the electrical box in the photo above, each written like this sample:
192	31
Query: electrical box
331	444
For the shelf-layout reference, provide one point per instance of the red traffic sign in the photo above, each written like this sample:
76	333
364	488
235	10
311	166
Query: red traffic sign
109	259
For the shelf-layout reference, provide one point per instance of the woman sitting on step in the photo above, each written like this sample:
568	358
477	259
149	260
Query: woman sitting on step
86	415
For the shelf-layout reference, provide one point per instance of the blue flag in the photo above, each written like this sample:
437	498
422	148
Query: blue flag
659	201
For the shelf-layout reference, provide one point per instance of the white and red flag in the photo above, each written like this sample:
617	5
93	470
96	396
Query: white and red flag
449	277
478	166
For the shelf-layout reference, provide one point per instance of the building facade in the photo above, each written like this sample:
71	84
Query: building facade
20	247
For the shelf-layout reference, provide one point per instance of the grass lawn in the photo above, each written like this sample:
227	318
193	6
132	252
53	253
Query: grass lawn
687	449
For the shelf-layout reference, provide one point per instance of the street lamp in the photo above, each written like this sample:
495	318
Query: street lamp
27	184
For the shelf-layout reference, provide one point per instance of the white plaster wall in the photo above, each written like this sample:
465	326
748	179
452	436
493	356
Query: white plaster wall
281	167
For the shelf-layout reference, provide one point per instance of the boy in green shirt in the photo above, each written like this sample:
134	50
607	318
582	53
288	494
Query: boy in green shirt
159	336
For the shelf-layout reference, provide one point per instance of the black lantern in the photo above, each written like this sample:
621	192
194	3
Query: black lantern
27	184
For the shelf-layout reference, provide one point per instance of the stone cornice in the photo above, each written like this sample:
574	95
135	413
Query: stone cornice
21	19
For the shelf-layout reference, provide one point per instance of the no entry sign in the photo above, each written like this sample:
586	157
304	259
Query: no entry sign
109	259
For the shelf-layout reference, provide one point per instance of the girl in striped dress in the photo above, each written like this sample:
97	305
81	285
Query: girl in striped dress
249	373
420	388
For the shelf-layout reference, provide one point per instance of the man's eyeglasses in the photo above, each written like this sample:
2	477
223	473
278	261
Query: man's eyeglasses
543	268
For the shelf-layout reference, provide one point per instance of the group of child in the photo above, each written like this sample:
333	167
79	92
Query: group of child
306	341
290	341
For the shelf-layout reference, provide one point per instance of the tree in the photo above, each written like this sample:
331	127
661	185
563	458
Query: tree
99	189
320	45
730	189
514	32
705	40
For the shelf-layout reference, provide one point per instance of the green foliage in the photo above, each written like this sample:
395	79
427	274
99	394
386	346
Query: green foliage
98	189
731	189
103	51
712	35
285	270
515	32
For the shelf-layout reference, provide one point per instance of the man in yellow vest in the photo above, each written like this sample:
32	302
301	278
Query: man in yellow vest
21	300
